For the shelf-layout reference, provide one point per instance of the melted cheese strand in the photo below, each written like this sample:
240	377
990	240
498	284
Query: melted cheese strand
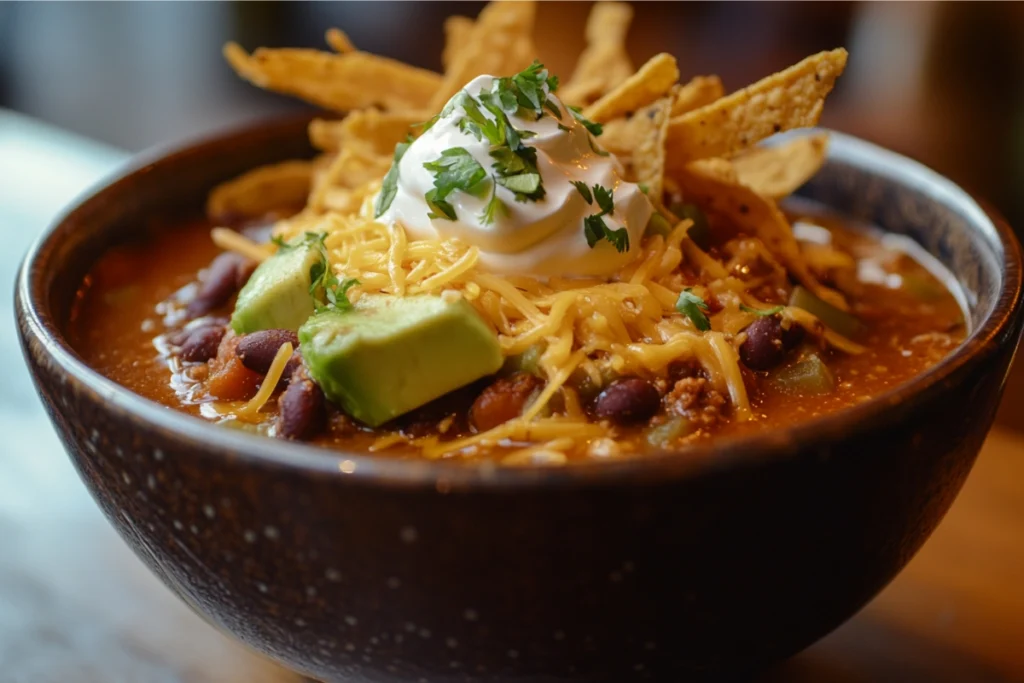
257	402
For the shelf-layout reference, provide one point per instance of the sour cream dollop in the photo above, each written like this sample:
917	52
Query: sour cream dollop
541	238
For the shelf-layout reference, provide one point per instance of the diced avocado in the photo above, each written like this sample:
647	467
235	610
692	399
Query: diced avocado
277	295
390	355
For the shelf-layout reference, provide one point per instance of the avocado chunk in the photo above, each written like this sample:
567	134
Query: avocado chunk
277	295
390	355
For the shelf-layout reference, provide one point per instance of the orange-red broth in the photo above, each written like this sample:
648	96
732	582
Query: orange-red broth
124	313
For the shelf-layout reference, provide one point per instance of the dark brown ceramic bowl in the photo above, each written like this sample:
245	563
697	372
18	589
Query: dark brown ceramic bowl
707	563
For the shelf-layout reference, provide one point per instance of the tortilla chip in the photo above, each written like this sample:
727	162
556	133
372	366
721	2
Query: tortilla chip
339	41
377	131
457	32
499	43
604	63
699	92
649	156
262	190
703	183
351	168
652	81
789	99
355	80
777	171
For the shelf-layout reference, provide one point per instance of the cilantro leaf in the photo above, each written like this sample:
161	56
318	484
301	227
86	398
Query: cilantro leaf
494	207
389	187
531	87
693	307
604	199
584	191
456	169
619	238
596	149
644	188
337	293
595	129
479	124
522	184
323	283
439	208
764	313
594	228
279	241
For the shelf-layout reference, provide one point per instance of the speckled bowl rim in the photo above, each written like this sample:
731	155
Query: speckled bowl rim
192	432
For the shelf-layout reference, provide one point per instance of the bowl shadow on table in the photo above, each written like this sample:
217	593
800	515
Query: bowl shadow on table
869	649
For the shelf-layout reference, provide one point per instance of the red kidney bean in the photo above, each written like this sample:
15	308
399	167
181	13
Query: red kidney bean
202	343
684	369
303	408
628	400
503	401
221	281
767	342
257	349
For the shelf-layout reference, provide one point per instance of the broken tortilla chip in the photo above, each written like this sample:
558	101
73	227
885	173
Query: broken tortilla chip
457	32
354	80
351	168
376	130
652	81
499	43
339	41
649	156
700	91
704	184
778	170
604	63
261	191
792	98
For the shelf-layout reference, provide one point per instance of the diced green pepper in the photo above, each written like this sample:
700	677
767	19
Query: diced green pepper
923	286
700	231
666	434
842	322
658	225
528	361
809	376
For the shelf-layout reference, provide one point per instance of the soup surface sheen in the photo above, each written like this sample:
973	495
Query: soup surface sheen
131	304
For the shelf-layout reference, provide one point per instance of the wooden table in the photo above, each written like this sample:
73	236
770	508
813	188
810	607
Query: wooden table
77	606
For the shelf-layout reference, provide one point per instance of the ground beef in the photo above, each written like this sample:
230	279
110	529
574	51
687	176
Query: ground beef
695	399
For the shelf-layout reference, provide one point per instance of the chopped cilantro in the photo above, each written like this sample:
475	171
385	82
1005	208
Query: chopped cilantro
389	187
279	241
456	169
439	208
594	227
603	197
323	283
584	191
594	129
524	184
494	207
644	188
762	312
693	307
